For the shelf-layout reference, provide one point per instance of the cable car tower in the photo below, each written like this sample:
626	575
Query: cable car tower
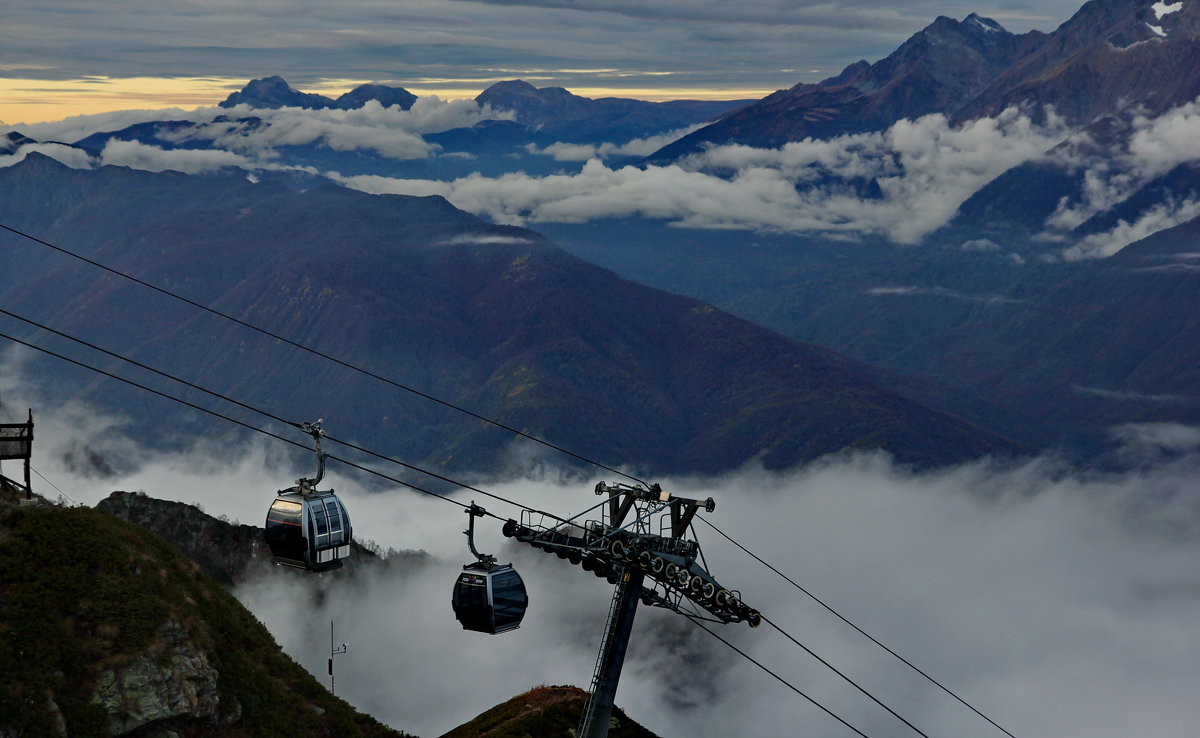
638	544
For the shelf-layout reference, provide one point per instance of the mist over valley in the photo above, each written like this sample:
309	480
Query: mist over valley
924	323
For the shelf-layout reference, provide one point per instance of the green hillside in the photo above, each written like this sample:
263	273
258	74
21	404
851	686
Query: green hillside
106	629
495	319
544	712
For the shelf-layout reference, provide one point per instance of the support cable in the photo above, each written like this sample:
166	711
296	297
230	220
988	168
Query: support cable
148	368
55	486
248	426
862	632
267	414
783	681
835	670
321	354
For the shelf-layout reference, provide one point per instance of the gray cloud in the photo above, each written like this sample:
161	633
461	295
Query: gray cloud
980	245
1160	217
636	147
484	238
1153	442
416	40
940	292
155	159
876	16
76	127
389	132
1169	268
1183	256
924	168
1153	146
72	157
1135	396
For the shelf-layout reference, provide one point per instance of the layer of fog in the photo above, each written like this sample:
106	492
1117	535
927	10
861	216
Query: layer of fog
900	184
639	147
924	169
360	128
1149	148
250	138
1057	603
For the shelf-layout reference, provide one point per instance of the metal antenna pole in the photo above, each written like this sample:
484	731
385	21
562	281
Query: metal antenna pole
333	652
597	713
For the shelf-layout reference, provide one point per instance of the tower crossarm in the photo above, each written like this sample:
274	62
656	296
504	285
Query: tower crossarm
612	547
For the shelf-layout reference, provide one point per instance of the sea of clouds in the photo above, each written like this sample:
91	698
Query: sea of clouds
922	170
1057	601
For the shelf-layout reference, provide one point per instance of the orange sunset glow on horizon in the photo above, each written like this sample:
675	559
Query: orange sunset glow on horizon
31	101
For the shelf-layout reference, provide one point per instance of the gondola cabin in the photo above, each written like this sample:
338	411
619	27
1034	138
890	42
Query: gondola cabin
489	598
308	531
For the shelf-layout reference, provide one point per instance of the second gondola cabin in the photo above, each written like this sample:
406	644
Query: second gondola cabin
489	598
308	531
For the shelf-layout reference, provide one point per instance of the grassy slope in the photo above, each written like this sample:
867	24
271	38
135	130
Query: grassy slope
81	590
544	712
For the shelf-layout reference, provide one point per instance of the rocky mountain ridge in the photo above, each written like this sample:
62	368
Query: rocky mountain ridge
275	92
557	112
938	70
1111	56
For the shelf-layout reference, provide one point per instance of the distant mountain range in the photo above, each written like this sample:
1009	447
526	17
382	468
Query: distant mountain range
1012	300
552	111
275	92
569	117
1111	56
938	70
1116	83
525	122
1114	343
493	318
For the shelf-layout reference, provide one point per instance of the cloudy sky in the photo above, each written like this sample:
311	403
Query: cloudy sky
66	57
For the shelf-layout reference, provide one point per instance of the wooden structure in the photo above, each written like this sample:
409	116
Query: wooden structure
16	443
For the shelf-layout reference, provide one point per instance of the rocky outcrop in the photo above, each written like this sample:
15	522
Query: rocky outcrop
938	70
174	681
275	92
228	552
106	629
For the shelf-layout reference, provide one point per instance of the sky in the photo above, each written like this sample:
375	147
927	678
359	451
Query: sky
1057	602
74	57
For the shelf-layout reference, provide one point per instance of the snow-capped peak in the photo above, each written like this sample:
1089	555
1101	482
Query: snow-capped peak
1160	9
987	24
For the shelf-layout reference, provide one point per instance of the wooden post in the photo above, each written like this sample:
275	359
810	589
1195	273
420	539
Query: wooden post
29	458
